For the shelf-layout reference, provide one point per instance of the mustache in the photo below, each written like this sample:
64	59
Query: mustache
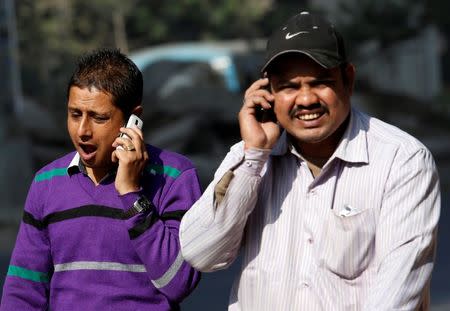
298	108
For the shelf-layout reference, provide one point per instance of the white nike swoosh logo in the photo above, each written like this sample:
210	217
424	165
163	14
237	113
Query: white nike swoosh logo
289	36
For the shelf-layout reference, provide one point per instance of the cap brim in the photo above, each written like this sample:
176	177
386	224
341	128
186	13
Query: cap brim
323	58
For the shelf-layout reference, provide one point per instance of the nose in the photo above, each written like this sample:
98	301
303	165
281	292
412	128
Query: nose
306	97
84	129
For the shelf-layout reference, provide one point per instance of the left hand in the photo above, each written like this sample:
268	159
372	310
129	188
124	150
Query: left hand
131	162
256	133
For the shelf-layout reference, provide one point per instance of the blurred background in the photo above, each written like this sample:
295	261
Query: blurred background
197	58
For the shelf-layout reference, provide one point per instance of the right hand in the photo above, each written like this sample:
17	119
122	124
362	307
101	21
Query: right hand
255	134
131	163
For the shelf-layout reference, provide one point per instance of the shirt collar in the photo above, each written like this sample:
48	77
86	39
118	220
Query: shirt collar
77	166
352	148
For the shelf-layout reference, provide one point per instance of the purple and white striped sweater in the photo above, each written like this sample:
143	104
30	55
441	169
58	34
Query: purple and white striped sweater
76	251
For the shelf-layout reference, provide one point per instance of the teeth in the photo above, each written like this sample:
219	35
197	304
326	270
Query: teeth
309	116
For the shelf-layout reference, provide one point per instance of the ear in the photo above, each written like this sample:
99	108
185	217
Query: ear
137	110
350	72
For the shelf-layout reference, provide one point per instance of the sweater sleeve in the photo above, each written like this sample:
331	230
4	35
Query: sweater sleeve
155	238
27	281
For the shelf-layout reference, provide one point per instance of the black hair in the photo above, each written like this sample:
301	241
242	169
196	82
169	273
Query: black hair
110	71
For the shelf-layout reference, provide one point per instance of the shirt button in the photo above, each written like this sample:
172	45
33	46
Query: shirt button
305	285
310	240
248	163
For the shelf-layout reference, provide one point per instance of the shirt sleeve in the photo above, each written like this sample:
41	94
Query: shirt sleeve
154	236
27	281
211	231
406	236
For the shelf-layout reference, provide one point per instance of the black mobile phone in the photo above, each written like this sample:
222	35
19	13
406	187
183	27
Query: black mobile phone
266	115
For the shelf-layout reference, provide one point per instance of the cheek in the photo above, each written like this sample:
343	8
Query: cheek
71	129
108	134
340	107
282	104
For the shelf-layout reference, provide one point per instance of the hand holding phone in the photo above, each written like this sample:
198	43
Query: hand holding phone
258	126
132	159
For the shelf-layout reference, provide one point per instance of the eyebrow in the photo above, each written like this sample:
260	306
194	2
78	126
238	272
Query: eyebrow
90	112
324	79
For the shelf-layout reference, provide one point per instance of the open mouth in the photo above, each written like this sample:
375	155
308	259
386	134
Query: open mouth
87	151
88	148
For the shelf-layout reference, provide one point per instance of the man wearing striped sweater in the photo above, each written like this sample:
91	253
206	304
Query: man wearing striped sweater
332	210
100	224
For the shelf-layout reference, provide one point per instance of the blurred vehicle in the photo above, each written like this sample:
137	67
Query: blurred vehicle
192	95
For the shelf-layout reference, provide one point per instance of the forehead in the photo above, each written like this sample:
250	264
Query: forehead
90	97
296	64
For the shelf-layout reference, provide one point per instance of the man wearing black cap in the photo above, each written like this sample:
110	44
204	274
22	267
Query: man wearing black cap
333	209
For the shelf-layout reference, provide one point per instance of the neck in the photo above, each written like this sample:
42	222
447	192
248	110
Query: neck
97	174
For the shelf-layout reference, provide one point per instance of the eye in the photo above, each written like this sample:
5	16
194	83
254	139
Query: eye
285	87
101	118
74	113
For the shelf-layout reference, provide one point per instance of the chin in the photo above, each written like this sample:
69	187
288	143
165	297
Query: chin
310	139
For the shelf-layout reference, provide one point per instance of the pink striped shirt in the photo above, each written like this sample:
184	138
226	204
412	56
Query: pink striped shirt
360	236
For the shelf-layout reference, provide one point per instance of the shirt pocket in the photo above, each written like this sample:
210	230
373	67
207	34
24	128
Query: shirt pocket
348	241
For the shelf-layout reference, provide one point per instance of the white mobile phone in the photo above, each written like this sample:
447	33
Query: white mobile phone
134	120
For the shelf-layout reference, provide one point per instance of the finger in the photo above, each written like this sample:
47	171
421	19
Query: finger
132	132
261	92
256	102
136	136
138	131
119	156
127	142
123	141
114	157
258	84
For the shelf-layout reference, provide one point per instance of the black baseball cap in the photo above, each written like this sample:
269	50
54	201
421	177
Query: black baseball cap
310	34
